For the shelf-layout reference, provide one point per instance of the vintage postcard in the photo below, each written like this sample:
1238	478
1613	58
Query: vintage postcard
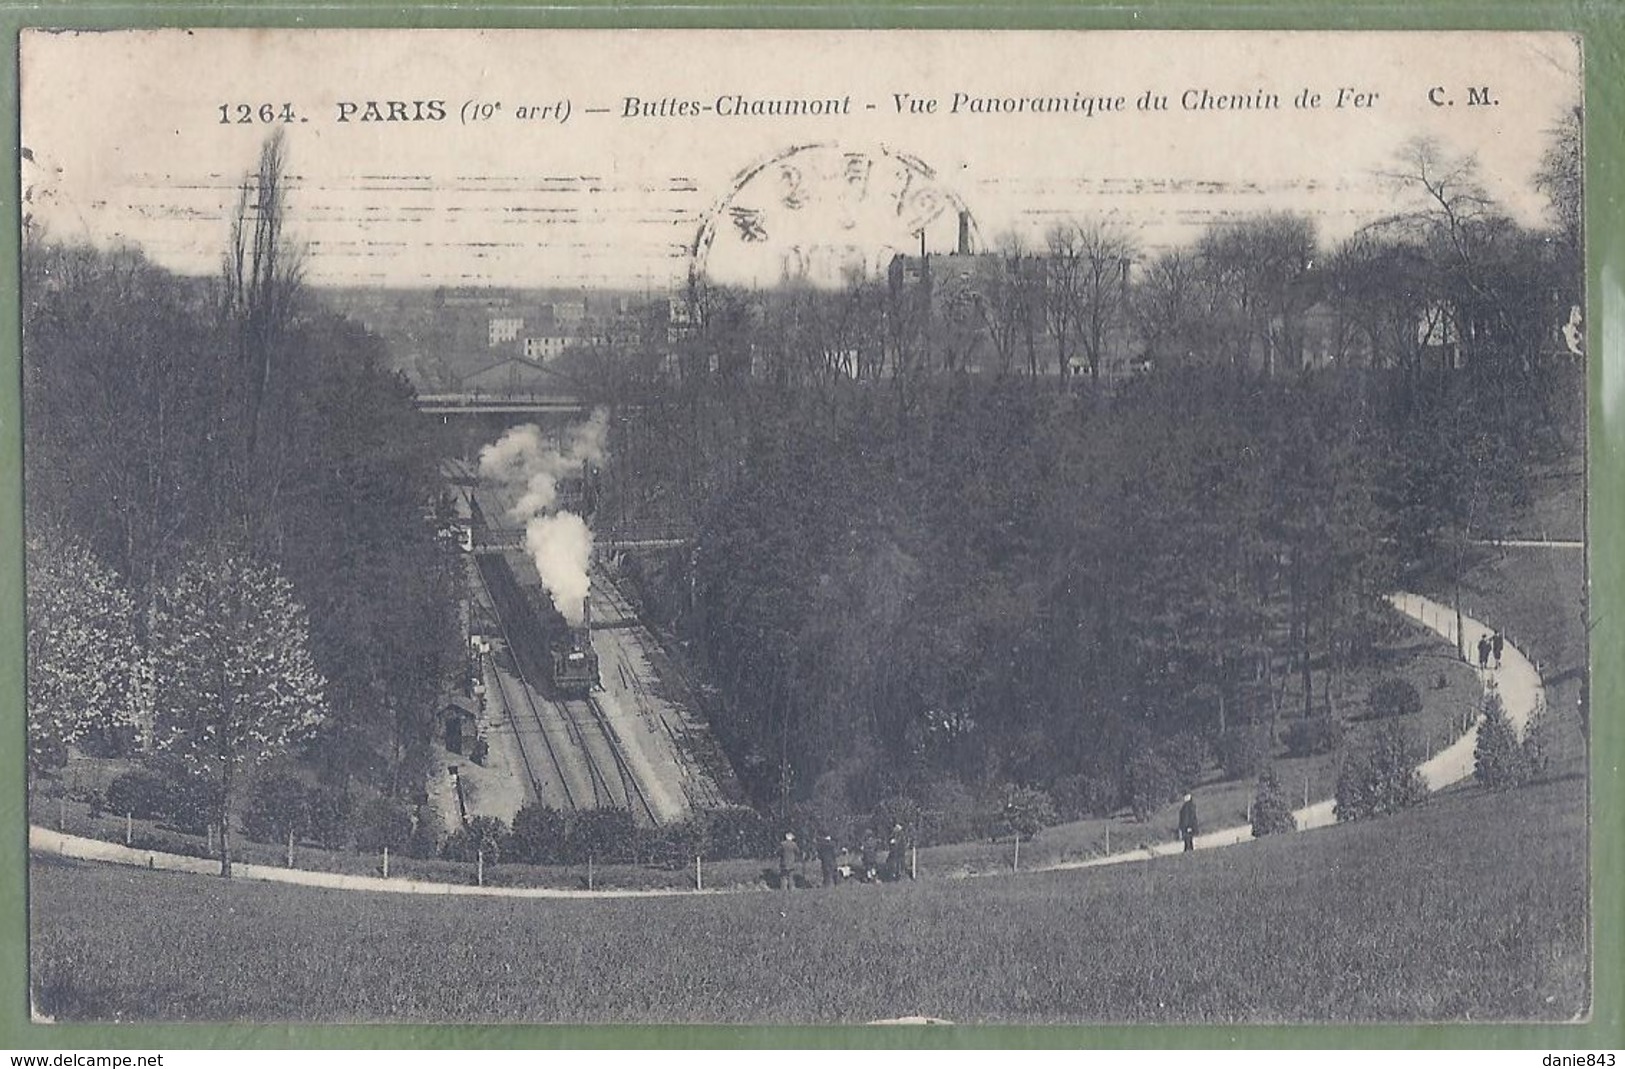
805	527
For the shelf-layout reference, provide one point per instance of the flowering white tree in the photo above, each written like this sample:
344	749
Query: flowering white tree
235	682
82	654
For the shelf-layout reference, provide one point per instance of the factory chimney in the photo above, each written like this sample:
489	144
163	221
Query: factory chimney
964	232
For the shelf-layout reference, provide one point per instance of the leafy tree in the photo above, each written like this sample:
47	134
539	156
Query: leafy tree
1272	812
83	661
1150	783
1025	811
1381	780
235	682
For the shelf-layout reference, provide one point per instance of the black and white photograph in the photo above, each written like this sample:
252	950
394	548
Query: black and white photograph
768	527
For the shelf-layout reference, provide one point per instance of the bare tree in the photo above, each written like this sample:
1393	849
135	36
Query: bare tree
1102	289
1063	280
261	283
1164	307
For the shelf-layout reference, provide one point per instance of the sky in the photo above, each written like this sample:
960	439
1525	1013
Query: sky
125	141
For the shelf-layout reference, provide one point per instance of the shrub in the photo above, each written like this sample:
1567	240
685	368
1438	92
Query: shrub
1317	735
1500	760
1394	697
1242	751
677	845
1152	782
1271	811
481	834
1024	811
140	792
604	834
739	831
383	822
1187	754
1381	780
540	835
277	806
1086	794
166	792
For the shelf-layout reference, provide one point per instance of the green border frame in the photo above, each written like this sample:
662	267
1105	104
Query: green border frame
1600	23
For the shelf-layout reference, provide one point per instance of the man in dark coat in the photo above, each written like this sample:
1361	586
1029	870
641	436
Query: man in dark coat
1496	645
1483	651
789	860
826	859
1187	823
896	843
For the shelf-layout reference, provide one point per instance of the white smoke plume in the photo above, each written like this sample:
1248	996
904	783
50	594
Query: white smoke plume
523	460
559	543
561	546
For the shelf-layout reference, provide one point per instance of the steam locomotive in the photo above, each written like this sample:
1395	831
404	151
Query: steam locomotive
547	648
574	662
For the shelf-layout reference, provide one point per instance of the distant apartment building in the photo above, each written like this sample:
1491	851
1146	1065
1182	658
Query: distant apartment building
545	347
505	329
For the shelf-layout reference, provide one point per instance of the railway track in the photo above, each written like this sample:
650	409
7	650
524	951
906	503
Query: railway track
630	787
585	723
528	701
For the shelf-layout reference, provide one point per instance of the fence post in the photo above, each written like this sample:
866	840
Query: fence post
914	862
290	848
129	827
1016	865
386	862
699	879
1108	840
62	812
479	866
589	872
1306	788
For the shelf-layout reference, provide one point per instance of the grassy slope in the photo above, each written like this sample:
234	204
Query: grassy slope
1472	906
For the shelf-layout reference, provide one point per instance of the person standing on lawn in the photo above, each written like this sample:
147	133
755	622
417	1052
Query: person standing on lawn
1187	823
826	859
896	844
1496	644
789	860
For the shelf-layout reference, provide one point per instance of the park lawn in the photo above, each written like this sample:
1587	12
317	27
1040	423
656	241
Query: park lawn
1471	906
